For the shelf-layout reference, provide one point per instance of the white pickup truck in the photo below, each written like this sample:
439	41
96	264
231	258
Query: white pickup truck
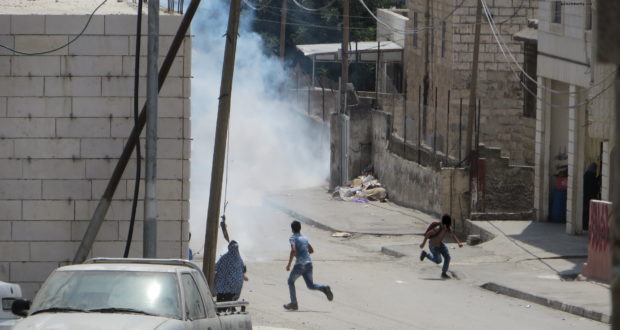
107	293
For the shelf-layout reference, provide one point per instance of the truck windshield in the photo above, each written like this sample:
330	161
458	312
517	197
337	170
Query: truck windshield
151	293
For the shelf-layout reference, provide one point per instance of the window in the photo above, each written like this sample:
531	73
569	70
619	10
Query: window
556	11
443	39
194	306
415	30
588	8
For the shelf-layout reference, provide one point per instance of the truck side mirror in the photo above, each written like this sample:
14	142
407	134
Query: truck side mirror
20	307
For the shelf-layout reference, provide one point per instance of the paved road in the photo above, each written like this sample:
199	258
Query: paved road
372	290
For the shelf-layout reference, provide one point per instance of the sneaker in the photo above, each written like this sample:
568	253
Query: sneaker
445	276
291	307
328	293
422	255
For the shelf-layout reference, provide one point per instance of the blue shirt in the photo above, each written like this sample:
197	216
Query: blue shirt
302	255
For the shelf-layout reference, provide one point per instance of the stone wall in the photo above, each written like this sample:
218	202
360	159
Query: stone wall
64	120
448	63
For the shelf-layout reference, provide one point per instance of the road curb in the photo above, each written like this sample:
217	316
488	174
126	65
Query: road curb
390	252
576	310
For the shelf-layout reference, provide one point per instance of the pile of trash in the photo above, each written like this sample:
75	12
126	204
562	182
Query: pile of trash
362	189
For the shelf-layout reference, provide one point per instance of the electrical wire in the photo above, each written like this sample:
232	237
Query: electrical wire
59	47
136	190
247	3
313	9
504	48
588	100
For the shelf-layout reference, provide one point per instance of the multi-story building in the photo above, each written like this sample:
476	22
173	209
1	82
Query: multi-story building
65	115
574	111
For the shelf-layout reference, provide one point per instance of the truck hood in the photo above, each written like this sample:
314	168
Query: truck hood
96	321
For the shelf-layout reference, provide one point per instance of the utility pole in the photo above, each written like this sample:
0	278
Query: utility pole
283	28
473	85
150	175
608	50
221	134
345	57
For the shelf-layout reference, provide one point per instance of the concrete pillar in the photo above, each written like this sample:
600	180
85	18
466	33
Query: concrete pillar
543	140
576	168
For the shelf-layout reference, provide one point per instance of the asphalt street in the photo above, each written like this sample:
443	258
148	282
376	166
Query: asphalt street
372	290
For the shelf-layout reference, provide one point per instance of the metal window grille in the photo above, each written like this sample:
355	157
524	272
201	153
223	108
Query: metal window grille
556	11
415	28
443	38
588	9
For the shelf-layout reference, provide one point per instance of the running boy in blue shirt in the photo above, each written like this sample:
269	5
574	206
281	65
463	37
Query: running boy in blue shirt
300	250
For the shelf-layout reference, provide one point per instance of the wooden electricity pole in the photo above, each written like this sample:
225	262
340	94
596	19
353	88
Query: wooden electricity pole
219	149
473	85
345	56
608	50
283	29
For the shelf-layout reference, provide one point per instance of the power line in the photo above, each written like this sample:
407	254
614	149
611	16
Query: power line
312	9
60	47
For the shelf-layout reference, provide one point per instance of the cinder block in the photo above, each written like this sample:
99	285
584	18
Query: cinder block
169	210
169	189
41	107
53	251
170	169
5	65
54	169
21	86
72	24
167	249
67	189
99	187
99	168
118	210
32	271
187	108
83	127
42	44
77	66
35	66
3	106
123	25
187	57
47	148
41	230
176	70
101	107
187	87
14	251
10	168
186	190
164	45
107	232
28	24
171	128
10	210
20	189
27	128
187	145
100	46
171	107
5	24
73	86
166	230
101	148
48	210
121	86
169	148
173	87
5	230
121	127
185	210
112	249
8	41
5	272
131	184
169	24
187	129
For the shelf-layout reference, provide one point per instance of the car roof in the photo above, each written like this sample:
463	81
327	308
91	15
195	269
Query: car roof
137	265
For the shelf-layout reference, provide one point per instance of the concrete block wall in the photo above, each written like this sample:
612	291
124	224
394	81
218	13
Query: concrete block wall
502	121
64	120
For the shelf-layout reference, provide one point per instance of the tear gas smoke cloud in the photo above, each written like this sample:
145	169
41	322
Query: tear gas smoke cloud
271	147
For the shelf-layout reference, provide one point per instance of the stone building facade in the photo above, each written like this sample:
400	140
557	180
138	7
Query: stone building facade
64	119
443	54
575	111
